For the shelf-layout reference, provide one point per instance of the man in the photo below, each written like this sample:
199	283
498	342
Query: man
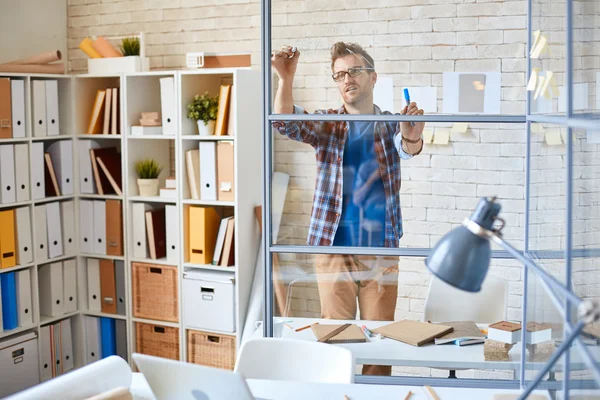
358	181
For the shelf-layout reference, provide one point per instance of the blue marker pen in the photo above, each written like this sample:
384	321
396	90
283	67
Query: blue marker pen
407	98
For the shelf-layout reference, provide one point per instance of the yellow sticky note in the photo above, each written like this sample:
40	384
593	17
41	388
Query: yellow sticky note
540	87
553	137
537	128
460	127
563	134
537	50
427	135
536	37
545	91
441	137
554	87
533	79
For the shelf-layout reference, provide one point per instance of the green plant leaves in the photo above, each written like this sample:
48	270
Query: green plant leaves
147	169
203	108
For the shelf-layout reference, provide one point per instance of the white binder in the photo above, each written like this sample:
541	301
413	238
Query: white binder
46	355
167	106
99	227
92	338
172	220
67	212
24	243
41	235
57	349
62	159
8	194
22	172
52	124
86	226
24	310
70	285
87	184
93	282
208	173
17	95
55	243
140	246
66	344
39	108
50	279
38	181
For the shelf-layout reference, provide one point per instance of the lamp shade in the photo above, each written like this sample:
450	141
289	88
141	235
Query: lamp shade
462	258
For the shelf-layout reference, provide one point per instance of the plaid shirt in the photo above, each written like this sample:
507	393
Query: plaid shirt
328	139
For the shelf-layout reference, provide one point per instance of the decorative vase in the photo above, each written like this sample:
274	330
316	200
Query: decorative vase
206	130
148	187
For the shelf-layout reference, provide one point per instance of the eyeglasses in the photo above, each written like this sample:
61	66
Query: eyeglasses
353	72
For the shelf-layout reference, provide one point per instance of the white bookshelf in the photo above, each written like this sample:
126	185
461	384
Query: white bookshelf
138	93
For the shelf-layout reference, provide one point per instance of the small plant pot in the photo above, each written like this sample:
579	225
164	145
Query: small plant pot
148	187
206	130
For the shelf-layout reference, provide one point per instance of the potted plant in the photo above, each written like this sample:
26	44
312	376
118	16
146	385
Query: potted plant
130	46
203	109
147	172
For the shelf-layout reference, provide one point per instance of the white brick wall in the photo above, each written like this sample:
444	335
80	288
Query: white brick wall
414	41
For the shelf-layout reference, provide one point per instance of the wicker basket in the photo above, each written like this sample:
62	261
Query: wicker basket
211	349
157	340
155	292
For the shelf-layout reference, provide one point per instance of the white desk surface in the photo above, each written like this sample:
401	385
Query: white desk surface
285	390
392	352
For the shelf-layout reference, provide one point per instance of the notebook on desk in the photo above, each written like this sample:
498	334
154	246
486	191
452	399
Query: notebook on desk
466	332
414	333
352	334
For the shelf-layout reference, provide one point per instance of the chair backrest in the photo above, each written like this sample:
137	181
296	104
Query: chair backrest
295	360
446	303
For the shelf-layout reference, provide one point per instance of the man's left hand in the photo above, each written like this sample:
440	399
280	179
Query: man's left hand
408	131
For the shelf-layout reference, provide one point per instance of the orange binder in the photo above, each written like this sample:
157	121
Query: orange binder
223	112
108	287
225	172
5	109
114	228
8	255
203	228
95	124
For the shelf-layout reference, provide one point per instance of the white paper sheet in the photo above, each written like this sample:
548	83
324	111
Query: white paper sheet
93	379
492	92
425	97
383	93
580	97
597	90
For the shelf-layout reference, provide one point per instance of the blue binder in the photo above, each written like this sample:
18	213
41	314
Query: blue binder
108	339
9	301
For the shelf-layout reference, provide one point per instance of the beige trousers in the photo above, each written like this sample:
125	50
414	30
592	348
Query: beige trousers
373	280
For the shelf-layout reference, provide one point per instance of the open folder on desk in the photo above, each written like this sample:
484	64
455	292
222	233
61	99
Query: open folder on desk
352	334
464	333
414	333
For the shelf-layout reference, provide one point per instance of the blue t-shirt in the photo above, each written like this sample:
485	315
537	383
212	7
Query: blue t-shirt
359	163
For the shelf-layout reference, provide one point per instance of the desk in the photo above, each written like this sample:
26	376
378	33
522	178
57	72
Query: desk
285	390
392	352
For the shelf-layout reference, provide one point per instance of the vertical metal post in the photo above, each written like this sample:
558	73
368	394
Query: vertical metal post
266	168
527	204
569	189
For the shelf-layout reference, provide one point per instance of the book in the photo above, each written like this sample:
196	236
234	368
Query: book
221	127
115	112
467	342
192	163
107	107
94	124
352	334
411	332
227	258
110	163
51	183
220	241
462	331
103	184
156	231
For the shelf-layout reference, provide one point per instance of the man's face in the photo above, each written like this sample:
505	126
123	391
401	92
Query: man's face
354	89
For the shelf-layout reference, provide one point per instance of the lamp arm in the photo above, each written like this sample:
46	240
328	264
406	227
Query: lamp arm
541	272
553	359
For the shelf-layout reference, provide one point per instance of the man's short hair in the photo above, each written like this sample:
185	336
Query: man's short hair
341	49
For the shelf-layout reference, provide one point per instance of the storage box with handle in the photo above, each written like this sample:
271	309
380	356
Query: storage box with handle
19	363
155	292
209	300
157	340
211	349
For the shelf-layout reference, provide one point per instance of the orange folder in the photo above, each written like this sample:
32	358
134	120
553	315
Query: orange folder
108	287
5	109
203	228
225	172
114	228
8	255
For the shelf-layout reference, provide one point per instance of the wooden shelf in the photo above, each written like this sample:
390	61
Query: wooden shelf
56	259
44	320
16	268
161	261
15	140
102	256
5	334
152	137
100	196
93	137
210	267
208	138
101	314
55	198
209	203
155	322
15	205
156	199
51	138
